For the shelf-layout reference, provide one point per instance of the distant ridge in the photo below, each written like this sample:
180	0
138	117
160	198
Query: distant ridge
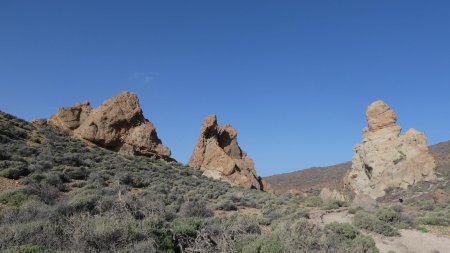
315	178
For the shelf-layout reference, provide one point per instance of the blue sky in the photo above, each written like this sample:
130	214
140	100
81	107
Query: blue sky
294	77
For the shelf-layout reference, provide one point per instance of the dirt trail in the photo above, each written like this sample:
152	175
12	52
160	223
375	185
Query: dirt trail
410	241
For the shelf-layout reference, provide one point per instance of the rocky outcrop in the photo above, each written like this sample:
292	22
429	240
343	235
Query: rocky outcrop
386	158
219	156
326	194
118	124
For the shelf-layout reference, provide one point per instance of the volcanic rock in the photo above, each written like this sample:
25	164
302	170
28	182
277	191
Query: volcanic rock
118	124
386	158
219	156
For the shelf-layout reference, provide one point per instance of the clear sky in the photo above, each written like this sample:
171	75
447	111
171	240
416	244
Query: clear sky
293	77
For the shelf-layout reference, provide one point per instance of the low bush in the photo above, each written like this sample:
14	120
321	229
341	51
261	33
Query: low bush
29	249
313	201
372	223
14	198
14	170
260	244
435	218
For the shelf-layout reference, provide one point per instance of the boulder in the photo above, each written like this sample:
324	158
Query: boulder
386	158
219	156
118	124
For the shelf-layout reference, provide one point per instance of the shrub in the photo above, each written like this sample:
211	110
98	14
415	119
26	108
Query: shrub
353	210
103	234
370	222
45	192
226	205
195	209
423	229
263	244
436	219
14	198
29	249
15	170
77	173
313	201
334	204
363	243
388	215
186	226
343	230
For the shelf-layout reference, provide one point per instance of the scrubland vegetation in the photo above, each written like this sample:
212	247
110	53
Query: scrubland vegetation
77	198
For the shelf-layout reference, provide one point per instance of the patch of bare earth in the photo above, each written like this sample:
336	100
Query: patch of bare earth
8	184
409	241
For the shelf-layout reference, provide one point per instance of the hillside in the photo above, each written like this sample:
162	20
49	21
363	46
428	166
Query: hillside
307	180
59	194
314	179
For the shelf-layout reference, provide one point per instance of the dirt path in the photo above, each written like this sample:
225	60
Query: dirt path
413	241
410	241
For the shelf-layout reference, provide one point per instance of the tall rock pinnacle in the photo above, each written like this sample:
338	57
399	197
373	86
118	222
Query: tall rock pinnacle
386	158
219	156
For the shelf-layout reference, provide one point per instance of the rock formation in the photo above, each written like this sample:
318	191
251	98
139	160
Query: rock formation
118	124
386	158
326	194
219	156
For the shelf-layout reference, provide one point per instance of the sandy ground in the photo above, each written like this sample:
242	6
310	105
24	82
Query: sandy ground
410	241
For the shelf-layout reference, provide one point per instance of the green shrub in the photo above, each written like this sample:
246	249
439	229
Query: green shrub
363	243
226	205
186	226
334	204
195	209
388	215
14	198
423	229
353	210
15	170
261	244
28	249
343	230
370	222
435	218
313	201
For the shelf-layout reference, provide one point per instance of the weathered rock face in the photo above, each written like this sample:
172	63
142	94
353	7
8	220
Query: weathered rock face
386	158
118	124
219	156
